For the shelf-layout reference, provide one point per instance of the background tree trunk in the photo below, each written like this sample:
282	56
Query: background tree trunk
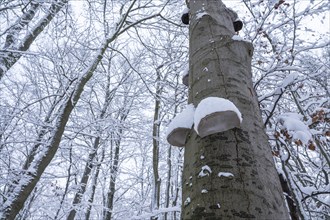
84	179
6	62
117	136
155	147
221	67
112	184
91	157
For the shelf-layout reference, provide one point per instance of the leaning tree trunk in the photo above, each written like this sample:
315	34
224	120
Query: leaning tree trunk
7	61
239	179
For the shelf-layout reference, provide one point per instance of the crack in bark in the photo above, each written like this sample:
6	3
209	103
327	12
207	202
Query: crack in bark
239	168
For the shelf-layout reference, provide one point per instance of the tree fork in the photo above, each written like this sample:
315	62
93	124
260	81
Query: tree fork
241	181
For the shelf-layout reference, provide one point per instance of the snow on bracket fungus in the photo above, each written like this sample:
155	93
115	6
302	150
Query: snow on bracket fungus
215	115
185	76
180	126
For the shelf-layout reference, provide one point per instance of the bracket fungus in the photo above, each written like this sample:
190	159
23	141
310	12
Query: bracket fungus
180	126
185	76
215	115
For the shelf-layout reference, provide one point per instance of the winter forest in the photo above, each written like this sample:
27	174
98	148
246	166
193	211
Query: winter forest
88	90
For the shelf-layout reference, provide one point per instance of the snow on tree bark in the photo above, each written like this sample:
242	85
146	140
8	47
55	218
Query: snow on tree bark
254	190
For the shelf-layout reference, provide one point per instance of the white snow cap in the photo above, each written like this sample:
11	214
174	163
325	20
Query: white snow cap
179	127
225	174
187	201
204	191
185	71
183	120
216	115
206	171
185	10
199	15
236	37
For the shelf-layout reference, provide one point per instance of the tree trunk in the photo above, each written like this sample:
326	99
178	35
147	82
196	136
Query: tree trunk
113	177
123	113
169	157
248	186
65	193
6	62
31	178
168	179
155	148
94	184
84	179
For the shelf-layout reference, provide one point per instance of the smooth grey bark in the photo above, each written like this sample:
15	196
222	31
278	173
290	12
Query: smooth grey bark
221	67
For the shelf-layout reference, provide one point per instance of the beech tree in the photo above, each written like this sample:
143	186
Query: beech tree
228	174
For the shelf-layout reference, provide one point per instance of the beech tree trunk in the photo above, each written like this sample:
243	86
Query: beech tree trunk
221	67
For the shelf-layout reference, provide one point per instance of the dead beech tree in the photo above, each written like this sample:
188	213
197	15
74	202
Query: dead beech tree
229	174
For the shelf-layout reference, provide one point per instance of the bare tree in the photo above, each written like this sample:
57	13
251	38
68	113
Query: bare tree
286	84
28	180
109	94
